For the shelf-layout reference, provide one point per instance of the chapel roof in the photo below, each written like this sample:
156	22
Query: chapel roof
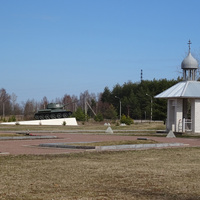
184	89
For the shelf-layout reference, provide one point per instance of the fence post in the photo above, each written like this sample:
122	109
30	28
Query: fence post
183	125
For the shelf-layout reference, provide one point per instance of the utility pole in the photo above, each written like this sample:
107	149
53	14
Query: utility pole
151	104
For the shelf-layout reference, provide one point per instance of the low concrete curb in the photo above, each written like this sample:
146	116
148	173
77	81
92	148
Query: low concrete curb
65	145
139	146
4	153
113	147
28	137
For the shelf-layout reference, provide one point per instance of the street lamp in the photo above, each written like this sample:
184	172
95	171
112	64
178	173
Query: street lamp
3	102
151	104
120	108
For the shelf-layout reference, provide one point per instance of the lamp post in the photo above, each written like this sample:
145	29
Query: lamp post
120	107
151	104
3	102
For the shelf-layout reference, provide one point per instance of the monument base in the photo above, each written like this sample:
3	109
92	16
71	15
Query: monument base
62	121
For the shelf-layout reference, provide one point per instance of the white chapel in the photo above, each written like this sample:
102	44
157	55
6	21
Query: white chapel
183	99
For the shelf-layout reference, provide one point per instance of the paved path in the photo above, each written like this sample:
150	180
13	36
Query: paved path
16	147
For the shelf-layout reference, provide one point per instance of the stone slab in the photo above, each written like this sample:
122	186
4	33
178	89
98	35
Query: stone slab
66	145
113	147
139	146
28	137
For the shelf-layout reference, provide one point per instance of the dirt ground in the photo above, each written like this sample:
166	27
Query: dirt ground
30	146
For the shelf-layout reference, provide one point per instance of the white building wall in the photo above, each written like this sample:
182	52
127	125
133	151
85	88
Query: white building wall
170	114
195	115
179	115
174	114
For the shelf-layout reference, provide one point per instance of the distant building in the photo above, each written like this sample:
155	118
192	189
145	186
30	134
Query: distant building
183	105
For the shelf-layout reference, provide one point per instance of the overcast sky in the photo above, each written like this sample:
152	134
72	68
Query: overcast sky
56	47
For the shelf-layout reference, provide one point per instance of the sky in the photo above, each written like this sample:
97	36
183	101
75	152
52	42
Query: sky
56	47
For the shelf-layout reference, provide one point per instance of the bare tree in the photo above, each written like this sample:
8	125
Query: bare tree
75	103
67	101
83	98
18	109
44	103
13	100
30	107
5	102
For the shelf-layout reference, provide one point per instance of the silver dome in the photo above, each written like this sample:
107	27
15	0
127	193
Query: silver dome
189	62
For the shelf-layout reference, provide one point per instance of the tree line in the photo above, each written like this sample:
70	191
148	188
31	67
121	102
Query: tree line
137	99
134	100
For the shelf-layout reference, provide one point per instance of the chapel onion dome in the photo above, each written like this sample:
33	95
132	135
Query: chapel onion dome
189	62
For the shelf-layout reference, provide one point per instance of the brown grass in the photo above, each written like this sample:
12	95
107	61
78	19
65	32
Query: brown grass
87	126
110	143
12	135
164	174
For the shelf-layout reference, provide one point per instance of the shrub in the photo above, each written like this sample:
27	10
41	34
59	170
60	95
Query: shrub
126	120
98	117
117	123
12	119
79	115
129	121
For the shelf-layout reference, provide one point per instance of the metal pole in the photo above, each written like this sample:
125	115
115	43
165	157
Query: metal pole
120	111
151	105
85	109
151	108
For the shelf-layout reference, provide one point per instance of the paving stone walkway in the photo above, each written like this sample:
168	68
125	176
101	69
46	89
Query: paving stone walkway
29	146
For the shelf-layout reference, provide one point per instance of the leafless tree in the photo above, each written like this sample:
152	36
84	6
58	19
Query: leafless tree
44	103
5	108
30	107
13	100
67	101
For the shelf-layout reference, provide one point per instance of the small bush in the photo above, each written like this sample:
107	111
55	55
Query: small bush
117	123
98	117
64	123
79	115
12	119
126	120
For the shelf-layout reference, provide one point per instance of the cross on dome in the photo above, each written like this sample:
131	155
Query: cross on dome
189	66
189	43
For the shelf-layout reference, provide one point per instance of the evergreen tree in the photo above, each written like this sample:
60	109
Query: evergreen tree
137	99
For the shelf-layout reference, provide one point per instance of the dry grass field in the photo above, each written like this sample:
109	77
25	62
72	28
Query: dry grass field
162	174
87	126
